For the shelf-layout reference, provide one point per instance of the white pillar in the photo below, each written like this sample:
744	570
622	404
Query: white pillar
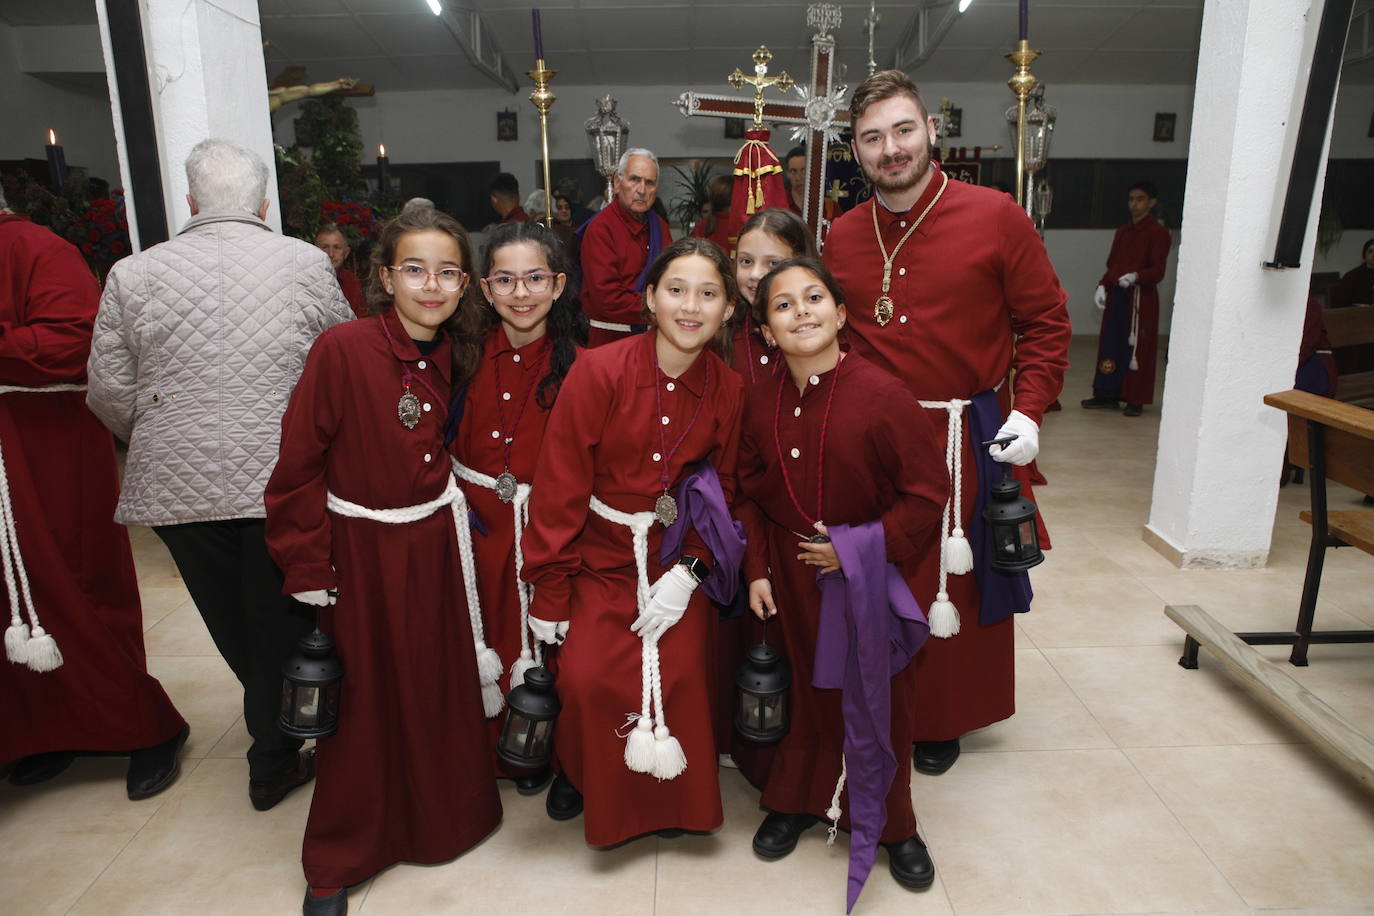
1236	326
206	80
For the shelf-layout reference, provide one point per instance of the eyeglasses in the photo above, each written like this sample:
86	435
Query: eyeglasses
536	283
450	279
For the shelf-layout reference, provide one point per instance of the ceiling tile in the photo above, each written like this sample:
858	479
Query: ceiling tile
320	36
408	35
1157	28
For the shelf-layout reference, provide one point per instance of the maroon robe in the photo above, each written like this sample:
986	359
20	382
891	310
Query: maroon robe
614	252
353	291
408	776
64	485
1356	287
971	278
1141	248
751	356
603	438
520	371
885	465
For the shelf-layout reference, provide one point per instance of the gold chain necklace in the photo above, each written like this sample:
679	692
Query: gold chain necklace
882	309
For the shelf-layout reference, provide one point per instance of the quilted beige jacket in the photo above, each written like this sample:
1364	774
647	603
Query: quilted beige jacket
198	344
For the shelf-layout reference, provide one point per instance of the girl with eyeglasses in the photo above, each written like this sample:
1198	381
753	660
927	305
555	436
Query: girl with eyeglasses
629	532
529	331
363	510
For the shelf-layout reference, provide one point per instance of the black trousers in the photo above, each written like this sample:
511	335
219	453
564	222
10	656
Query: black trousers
237	589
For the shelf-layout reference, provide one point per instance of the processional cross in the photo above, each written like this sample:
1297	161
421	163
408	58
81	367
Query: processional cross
819	114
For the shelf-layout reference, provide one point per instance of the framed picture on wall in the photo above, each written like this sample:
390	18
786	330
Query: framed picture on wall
734	128
507	126
1164	126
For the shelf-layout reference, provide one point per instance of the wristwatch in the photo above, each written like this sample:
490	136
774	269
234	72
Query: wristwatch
695	567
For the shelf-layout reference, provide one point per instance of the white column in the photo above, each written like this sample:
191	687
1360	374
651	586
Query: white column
207	80
1236	326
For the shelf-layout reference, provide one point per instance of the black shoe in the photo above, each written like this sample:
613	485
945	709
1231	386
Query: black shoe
909	862
533	783
152	769
1132	410
265	793
670	833
1100	403
563	802
36	768
934	757
335	904
778	834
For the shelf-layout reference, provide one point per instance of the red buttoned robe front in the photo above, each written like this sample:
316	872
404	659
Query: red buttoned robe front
606	437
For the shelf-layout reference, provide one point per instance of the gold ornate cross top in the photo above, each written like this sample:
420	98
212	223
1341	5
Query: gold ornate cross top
760	81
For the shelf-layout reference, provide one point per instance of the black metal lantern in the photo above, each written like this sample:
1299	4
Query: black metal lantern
310	689
762	683
1011	524
532	712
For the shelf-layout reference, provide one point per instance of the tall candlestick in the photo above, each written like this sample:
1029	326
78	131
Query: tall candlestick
1024	20
1022	84
543	98
538	36
382	162
57	163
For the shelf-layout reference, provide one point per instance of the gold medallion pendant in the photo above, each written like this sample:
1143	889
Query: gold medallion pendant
665	510
882	311
408	410
505	486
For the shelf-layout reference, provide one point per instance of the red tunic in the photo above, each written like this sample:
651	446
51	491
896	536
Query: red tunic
973	274
64	485
1356	287
721	235
353	291
519	371
408	776
879	465
601	439
1141	248
751	356
615	248
518	215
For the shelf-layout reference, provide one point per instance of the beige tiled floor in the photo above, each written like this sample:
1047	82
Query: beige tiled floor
1123	785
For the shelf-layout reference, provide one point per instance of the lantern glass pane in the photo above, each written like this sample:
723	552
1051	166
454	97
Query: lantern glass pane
750	711
305	706
772	712
1027	534
1008	546
541	734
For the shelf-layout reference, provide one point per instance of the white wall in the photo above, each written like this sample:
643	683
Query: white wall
78	111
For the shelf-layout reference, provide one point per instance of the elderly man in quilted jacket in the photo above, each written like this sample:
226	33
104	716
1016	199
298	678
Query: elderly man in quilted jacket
197	346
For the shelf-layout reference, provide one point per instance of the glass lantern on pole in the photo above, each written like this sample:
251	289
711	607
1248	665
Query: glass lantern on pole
310	689
607	133
762	684
1011	522
1040	120
532	712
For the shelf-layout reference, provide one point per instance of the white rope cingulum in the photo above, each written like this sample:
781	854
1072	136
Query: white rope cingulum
26	643
1135	327
834	811
944	617
488	662
650	747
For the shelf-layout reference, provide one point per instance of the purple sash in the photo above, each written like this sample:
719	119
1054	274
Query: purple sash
701	506
1003	593
870	628
1114	345
655	246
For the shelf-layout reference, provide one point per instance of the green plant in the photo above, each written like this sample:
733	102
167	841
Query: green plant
696	183
330	129
301	193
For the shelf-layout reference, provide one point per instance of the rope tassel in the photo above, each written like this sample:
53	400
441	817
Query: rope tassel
956	555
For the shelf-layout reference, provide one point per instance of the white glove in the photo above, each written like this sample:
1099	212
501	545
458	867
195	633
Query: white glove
1127	280
549	632
1027	444
668	598
318	597
1100	298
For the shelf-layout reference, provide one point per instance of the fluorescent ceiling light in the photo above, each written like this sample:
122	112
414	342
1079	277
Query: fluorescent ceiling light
438	10
963	4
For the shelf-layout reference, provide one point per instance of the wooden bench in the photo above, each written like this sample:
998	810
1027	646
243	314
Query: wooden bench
1351	331
1336	441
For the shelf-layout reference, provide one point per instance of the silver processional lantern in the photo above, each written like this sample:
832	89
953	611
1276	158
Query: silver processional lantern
1040	120
607	133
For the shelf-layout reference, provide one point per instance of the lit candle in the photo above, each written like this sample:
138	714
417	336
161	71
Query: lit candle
57	163
1025	19
538	36
382	161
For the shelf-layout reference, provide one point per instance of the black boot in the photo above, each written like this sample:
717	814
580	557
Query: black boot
265	793
152	769
909	862
778	834
36	768
336	904
934	757
564	802
1096	403
532	783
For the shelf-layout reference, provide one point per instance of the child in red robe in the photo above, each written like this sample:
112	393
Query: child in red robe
768	238
363	503
834	447
633	419
529	332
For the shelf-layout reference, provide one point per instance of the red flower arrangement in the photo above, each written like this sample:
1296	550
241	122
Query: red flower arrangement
357	221
101	231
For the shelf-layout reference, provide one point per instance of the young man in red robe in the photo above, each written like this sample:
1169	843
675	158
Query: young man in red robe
1128	295
62	485
505	198
618	245
940	278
